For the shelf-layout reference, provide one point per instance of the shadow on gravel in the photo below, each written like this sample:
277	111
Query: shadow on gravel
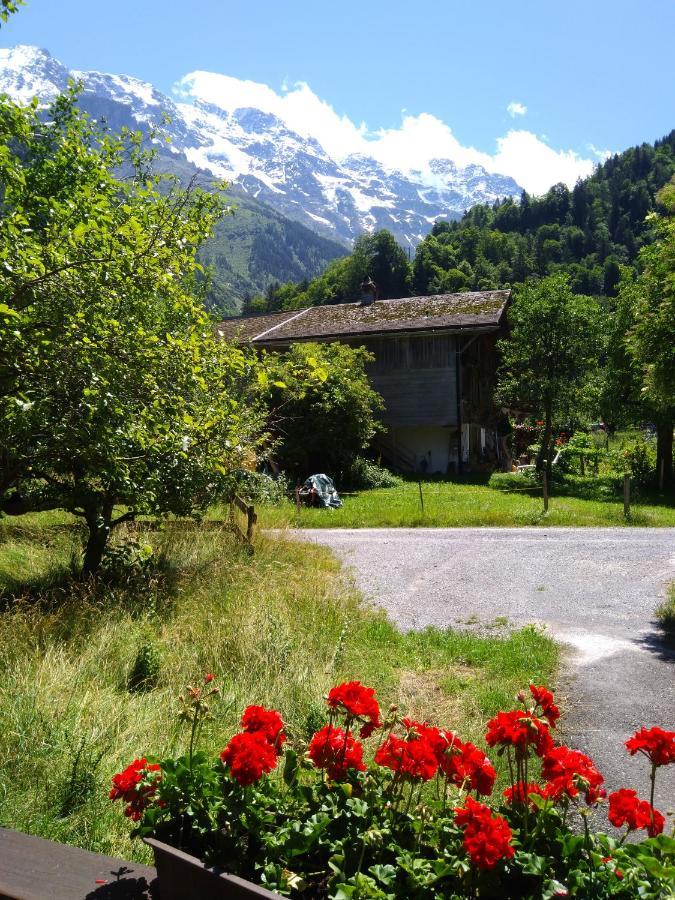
658	644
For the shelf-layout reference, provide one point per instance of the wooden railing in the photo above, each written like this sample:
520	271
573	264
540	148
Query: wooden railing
32	868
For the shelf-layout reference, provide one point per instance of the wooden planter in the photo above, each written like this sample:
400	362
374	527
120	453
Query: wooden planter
182	876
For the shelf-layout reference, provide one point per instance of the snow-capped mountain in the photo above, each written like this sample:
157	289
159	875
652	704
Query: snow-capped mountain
257	150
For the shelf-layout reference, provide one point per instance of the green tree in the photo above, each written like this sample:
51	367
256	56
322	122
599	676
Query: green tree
652	338
8	8
114	390
554	342
322	406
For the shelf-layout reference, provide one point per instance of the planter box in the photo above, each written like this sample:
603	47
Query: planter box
182	876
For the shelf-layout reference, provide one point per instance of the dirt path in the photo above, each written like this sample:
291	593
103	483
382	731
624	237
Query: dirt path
594	588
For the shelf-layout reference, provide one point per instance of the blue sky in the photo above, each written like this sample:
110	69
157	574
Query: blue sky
579	77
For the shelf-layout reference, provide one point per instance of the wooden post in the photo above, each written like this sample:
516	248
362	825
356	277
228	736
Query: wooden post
419	485
545	485
626	496
251	519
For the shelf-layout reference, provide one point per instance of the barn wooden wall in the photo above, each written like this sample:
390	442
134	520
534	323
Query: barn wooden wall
416	378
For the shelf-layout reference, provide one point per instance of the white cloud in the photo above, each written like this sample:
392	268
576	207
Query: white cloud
516	109
411	146
602	155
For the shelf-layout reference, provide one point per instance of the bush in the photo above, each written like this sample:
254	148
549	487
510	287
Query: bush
322	407
145	670
126	560
637	459
316	820
363	474
261	487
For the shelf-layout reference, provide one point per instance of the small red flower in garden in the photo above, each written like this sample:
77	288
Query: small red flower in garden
358	701
655	743
519	729
518	794
626	808
336	752
569	771
208	678
414	758
544	698
487	837
438	740
469	768
266	721
248	756
135	787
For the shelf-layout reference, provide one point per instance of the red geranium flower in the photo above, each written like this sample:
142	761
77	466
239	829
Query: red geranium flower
520	730
469	768
569	771
267	721
248	756
487	837
656	744
336	752
358	701
414	758
208	678
136	787
626	808
544	698
521	793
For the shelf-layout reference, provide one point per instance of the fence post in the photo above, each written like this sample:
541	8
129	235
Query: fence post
251	519
545	485
419	485
626	496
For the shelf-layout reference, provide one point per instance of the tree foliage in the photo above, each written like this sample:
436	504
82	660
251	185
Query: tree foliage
651	339
8	8
114	390
374	255
554	342
322	406
588	232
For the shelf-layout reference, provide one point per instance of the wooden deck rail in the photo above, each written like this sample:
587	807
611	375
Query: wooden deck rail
32	868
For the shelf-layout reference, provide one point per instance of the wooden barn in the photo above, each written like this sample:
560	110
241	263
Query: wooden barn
435	366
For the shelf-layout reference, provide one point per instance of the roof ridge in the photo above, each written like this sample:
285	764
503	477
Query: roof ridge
279	324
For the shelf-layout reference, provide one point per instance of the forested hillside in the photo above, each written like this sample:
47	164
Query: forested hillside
587	232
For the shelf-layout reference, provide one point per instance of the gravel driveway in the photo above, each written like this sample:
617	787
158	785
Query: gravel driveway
594	588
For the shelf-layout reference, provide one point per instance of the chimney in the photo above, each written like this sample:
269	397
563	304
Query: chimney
369	292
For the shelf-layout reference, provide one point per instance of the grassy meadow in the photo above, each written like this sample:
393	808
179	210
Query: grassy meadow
276	628
473	502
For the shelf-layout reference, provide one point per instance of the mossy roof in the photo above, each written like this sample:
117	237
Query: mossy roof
478	309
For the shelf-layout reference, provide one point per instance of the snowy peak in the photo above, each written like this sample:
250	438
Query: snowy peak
241	131
27	72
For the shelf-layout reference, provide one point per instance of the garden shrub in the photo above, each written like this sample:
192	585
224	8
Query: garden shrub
363	474
638	459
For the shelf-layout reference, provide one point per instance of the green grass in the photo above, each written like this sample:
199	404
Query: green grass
470	503
277	628
665	613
